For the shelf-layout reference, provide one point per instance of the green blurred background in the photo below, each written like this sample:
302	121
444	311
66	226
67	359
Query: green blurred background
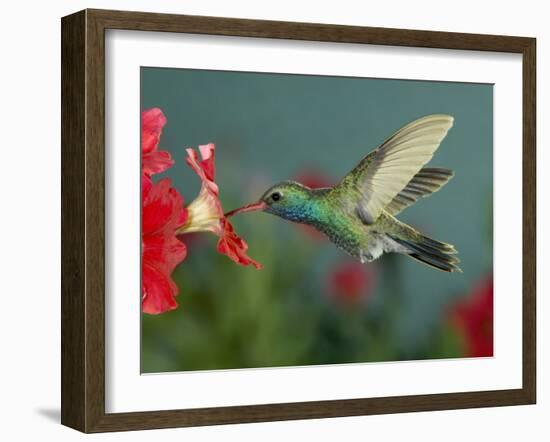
312	304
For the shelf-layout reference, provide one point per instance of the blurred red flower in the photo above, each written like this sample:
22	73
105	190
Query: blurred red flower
205	213
351	282
473	317
313	178
162	213
153	160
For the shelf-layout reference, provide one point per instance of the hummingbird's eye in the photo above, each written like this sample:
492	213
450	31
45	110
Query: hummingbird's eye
276	196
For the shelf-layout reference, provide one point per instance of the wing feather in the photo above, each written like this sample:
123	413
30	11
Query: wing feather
385	172
423	184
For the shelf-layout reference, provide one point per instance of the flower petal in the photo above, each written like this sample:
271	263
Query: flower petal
162	213
152	122
204	213
156	162
146	186
204	168
163	251
233	246
159	291
152	160
162	207
208	164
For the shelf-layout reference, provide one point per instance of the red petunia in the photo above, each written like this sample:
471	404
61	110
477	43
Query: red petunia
162	214
153	160
473	317
205	213
164	217
351	282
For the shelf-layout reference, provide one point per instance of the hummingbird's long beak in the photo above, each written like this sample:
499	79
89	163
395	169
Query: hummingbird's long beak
260	205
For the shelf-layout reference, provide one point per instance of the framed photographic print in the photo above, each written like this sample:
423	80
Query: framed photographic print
270	220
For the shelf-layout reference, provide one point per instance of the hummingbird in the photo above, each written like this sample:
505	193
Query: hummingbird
358	213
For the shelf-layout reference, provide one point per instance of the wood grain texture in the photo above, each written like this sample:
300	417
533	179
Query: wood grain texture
144	21
83	219
95	221
529	220
73	128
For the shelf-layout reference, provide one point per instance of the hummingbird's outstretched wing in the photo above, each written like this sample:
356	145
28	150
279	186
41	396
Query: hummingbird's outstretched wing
383	173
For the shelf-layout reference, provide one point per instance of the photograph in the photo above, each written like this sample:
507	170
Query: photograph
305	220
271	217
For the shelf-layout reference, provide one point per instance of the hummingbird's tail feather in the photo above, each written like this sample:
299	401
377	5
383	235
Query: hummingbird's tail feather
437	254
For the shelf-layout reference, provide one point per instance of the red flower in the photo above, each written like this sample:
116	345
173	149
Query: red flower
473	317
350	282
153	160
162	214
164	217
314	179
205	213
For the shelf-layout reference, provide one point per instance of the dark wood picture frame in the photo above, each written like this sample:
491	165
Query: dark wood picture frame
83	220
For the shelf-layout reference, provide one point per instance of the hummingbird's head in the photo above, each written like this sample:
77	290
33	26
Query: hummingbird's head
288	199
